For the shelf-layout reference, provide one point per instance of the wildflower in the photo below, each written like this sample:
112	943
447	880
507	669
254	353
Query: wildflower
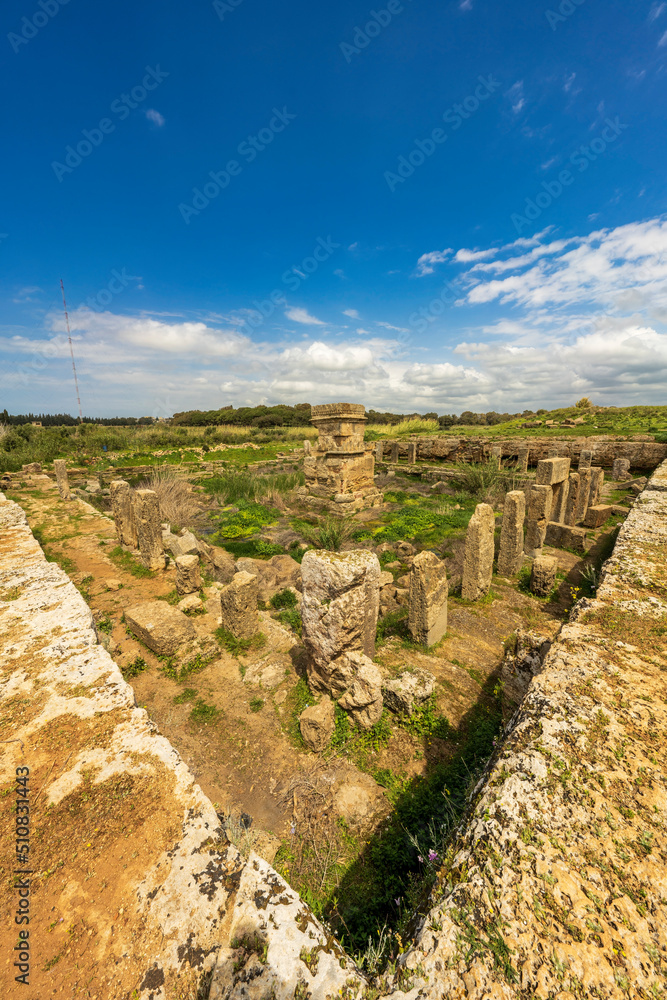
398	901
432	855
420	859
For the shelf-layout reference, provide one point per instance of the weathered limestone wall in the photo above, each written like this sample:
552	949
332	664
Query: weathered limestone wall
557	884
134	884
641	454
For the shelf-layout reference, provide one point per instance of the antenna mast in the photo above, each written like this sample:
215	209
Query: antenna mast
71	350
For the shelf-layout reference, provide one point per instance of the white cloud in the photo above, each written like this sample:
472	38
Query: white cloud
568	83
465	5
516	97
427	261
155	117
299	315
663	40
352	313
655	12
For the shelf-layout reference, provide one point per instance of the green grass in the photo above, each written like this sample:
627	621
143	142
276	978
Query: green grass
171	669
427	721
427	521
237	647
235	485
189	694
203	713
246	519
128	562
297	699
330	533
256	704
254	548
358	744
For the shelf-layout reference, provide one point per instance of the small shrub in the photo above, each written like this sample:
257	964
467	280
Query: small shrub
292	618
134	669
284	599
105	624
256	704
128	562
177	504
394	623
203	712
331	534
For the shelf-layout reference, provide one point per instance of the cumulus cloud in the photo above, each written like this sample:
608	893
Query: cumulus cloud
352	313
516	97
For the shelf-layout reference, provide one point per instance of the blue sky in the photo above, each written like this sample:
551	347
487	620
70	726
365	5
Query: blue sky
416	205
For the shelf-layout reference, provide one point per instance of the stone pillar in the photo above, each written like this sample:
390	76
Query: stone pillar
552	453
188	576
496	455
510	556
543	575
412	453
559	503
341	600
540	499
427	617
582	499
238	605
572	498
307	447
394	452
620	469
60	469
585	459
340	469
122	510
478	557
339	610
379	449
149	529
522	460
552	470
597	481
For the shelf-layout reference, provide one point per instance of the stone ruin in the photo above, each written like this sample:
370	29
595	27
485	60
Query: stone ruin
339	470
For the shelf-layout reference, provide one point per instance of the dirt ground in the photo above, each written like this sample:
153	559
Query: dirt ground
239	747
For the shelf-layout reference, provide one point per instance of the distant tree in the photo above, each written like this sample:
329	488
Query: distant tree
540	413
430	416
448	419
583	404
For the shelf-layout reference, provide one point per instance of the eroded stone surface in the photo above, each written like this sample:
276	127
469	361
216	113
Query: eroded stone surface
159	626
238	606
478	558
510	555
427	616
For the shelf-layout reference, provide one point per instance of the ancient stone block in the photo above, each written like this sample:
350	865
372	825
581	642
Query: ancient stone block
159	626
395	451
552	470
427	617
510	556
408	691
317	724
552	452
190	603
238	605
597	515
362	697
307	447
620	469
379	450
339	466
32	468
543	575
540	499
520	664
597	482
585	459
185	544
478	558
188	576
149	529
122	510
60	469
522	459
559	502
572	498
496	456
582	498
412	453
339	610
